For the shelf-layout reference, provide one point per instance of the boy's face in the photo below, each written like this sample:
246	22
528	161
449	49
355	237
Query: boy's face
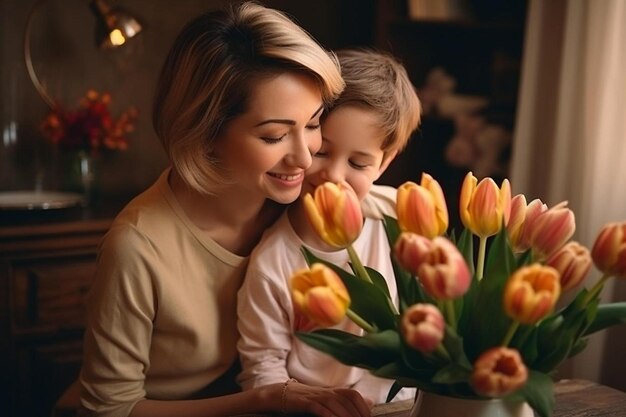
351	151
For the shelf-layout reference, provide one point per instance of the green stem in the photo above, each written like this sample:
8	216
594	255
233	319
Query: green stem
358	265
441	352
481	257
595	290
450	313
510	333
360	321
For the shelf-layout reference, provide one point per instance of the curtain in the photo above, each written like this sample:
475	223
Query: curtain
570	139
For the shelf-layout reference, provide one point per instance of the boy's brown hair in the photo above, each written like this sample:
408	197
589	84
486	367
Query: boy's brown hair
377	81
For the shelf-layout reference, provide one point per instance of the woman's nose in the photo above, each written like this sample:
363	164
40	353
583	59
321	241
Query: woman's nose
300	155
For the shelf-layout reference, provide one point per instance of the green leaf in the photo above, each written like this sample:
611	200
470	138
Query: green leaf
452	374
465	245
539	392
608	315
488	321
370	351
453	344
366	299
378	280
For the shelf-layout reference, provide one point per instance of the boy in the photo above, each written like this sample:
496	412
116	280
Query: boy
363	132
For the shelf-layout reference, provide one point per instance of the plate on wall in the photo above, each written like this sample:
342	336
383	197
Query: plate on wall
38	200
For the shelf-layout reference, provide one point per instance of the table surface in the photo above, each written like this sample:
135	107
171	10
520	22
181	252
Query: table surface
574	398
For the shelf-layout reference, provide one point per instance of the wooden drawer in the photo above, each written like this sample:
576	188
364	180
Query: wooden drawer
48	295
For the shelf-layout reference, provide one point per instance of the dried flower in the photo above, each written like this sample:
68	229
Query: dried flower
91	127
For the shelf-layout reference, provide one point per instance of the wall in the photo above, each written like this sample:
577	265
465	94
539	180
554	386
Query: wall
66	59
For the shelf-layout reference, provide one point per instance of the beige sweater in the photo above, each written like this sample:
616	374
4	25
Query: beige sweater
162	321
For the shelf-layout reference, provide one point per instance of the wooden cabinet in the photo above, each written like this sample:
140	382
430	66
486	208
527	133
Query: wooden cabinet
46	267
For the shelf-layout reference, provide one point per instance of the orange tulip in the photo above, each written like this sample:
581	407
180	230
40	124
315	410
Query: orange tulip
573	262
335	213
609	250
437	263
423	327
320	295
422	208
483	206
531	293
551	230
498	371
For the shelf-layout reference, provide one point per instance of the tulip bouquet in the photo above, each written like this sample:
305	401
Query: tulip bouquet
467	323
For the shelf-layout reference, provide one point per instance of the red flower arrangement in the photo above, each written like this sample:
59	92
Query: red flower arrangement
91	127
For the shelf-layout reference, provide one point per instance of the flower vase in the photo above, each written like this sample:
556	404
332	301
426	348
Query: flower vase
434	405
80	175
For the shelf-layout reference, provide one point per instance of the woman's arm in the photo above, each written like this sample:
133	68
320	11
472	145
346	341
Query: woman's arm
288	397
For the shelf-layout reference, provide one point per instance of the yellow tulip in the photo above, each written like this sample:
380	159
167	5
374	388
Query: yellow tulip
498	371
483	206
320	295
531	293
422	208
335	213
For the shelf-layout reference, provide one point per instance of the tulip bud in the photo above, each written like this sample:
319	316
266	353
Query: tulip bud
516	219
532	211
498	371
423	327
335	214
422	208
609	250
573	262
437	263
484	207
551	230
320	295
531	293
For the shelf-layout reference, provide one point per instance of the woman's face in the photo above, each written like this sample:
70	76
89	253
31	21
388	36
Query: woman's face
266	150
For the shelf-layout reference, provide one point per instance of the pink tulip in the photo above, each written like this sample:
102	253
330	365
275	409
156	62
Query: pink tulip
423	327
551	230
531	293
484	207
531	212
498	371
437	263
422	208
573	262
320	295
334	211
609	250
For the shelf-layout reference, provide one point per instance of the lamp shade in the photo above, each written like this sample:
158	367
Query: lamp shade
113	25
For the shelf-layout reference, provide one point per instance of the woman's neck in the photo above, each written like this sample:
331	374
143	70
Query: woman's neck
233	219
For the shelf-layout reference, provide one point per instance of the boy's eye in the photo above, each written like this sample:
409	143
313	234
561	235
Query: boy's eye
356	165
272	140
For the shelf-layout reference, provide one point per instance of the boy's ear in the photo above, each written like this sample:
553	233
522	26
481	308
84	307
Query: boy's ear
386	161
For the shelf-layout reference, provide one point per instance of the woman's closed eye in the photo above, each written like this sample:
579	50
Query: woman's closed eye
271	140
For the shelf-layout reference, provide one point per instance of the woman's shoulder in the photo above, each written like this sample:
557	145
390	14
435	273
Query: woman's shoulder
380	201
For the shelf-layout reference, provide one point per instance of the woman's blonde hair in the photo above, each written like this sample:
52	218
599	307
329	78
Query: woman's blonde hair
377	81
209	72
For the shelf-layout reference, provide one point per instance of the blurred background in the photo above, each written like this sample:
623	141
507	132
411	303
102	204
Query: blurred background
529	90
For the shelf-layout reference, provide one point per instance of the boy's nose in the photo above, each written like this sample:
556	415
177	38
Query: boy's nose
333	173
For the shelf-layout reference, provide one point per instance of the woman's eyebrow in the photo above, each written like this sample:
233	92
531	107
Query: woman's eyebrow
287	121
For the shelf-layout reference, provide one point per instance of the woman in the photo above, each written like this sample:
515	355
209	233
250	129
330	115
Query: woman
237	109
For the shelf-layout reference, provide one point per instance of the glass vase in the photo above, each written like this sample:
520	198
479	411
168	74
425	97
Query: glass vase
429	405
79	173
